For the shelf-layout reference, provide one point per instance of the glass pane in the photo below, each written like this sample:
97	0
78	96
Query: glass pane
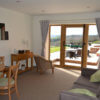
93	47
73	49
55	39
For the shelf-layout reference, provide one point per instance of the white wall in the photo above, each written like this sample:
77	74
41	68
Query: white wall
79	18
19	27
23	27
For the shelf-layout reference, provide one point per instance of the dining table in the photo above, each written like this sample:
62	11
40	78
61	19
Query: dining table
5	70
2	68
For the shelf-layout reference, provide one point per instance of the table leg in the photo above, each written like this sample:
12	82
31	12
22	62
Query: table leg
31	62
11	61
27	63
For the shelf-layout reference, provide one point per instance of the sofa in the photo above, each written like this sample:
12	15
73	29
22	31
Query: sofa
83	82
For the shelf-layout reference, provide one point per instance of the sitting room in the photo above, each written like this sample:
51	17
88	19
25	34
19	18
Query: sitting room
49	50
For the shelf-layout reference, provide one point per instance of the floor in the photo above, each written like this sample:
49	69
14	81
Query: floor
33	86
92	59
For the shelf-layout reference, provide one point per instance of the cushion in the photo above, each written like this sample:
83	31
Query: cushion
95	77
4	82
94	90
1	73
65	95
86	82
83	91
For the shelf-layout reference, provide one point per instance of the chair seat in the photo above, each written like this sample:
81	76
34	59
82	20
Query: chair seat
4	82
1	73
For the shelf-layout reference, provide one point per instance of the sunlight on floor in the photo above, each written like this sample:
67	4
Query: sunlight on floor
74	73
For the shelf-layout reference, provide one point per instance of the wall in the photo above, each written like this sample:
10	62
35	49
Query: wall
23	27
78	18
19	26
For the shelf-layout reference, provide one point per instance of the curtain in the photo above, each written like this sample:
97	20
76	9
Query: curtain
44	31
98	25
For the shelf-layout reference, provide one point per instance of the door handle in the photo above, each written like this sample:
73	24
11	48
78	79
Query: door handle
63	43
84	44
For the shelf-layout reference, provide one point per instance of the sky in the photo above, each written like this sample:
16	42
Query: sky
56	30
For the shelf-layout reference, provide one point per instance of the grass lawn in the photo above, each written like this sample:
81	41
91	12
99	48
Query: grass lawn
54	49
96	42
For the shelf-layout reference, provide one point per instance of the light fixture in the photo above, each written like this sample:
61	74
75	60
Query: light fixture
43	11
88	7
18	1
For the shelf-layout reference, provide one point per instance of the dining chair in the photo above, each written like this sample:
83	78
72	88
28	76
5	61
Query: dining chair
10	84
43	64
1	65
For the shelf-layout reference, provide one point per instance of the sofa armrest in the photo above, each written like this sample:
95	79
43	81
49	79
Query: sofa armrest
74	96
87	72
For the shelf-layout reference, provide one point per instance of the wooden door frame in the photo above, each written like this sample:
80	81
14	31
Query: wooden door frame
62	49
63	54
63	38
85	46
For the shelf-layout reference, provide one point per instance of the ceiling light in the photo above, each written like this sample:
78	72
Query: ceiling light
88	7
43	11
18	1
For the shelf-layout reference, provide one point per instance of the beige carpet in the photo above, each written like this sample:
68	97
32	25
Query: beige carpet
33	86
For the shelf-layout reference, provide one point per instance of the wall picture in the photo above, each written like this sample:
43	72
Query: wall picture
3	34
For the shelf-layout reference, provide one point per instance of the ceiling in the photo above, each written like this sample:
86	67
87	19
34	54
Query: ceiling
51	6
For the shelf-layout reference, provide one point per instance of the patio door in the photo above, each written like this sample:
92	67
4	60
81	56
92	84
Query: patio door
68	45
74	46
93	59
55	44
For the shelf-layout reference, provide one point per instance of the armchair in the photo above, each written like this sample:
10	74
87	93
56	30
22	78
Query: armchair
43	64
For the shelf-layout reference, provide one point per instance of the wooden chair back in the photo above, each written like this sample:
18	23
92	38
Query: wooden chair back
11	87
1	61
13	73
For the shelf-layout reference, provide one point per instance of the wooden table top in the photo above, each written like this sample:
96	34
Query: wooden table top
2	68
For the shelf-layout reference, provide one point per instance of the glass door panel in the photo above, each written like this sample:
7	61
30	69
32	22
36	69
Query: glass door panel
73	46
55	40
93	48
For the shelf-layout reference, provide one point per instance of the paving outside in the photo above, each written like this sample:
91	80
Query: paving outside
92	58
73	45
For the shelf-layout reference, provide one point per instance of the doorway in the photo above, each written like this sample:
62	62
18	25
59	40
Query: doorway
55	43
73	45
68	45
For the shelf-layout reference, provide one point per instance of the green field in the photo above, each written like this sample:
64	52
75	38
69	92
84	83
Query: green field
96	42
54	49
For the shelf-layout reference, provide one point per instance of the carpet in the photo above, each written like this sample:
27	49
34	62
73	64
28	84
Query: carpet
33	86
